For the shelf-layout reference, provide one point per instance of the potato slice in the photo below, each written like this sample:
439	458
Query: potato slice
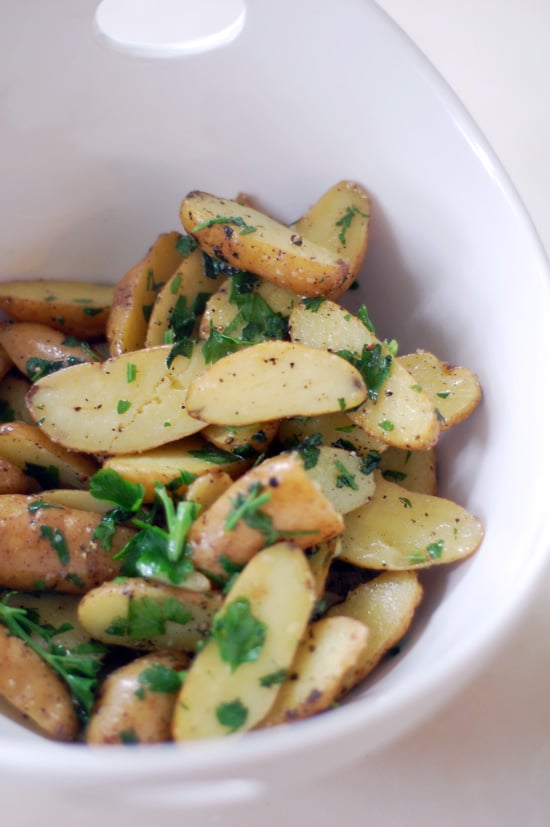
32	687
144	615
208	487
397	412
230	686
76	308
130	403
335	429
455	390
401	529
245	441
49	464
228	310
14	481
250	240
339	220
185	294
414	470
272	380
38	350
178	461
386	605
46	548
78	498
136	702
328	653
136	293
13	390
339	475
292	506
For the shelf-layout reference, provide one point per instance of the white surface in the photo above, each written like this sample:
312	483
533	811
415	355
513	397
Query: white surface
484	760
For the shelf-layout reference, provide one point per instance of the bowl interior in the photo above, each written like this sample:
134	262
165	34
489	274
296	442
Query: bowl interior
98	150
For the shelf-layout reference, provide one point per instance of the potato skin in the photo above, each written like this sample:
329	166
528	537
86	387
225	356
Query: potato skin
127	708
32	687
28	559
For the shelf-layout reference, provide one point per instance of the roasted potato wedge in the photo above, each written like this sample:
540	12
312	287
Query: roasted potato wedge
181	301
52	548
44	461
208	487
173	465
397	410
129	403
414	470
136	293
37	350
292	505
148	616
32	687
386	605
13	390
230	685
76	308
455	390
401	529
250	240
135	703
272	380
247	440
335	429
339	220
340	476
327	654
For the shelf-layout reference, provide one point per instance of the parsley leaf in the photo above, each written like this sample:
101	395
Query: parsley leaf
239	635
373	365
232	714
147	618
161	678
345	222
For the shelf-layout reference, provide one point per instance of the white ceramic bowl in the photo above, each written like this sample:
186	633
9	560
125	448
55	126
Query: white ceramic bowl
98	148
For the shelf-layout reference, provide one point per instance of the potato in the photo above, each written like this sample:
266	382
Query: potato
52	548
136	702
230	311
38	350
55	610
250	240
136	293
32	687
182	297
272	380
13	390
78	498
414	470
76	308
14	481
334	428
401	529
144	615
455	390
292	506
166	464
397	410
130	403
327	654
246	440
232	683
338	474
340	221
386	605
206	489
49	464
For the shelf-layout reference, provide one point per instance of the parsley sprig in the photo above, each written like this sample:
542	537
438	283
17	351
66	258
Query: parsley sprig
374	366
78	667
159	550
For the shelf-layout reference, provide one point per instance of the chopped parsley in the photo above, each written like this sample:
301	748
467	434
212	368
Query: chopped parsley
161	679
146	618
78	667
36	367
308	448
239	635
235	220
394	476
185	245
363	315
58	542
232	714
131	372
386	425
122	406
273	678
313	303
373	365
344	479
346	220
47	476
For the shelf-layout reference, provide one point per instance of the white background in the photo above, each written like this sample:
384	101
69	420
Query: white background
485	759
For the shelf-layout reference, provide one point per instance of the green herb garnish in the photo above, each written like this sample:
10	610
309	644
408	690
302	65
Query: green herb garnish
239	635
232	714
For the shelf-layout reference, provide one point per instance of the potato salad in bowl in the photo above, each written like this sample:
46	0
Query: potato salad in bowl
219	488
